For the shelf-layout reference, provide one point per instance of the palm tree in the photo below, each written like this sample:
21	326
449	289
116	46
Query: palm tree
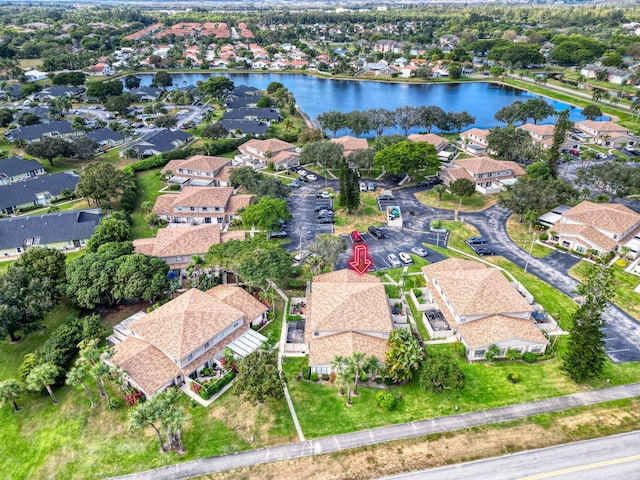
597	95
146	413
175	418
90	353
440	189
373	366
43	375
338	365
635	107
268	295
10	390
75	378
287	125
357	364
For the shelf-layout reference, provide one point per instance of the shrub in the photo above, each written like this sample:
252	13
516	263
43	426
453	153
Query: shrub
621	263
529	357
513	377
146	164
113	404
388	381
544	237
387	400
440	372
560	247
492	352
325	377
513	354
306	373
459	350
332	377
314	377
174	187
195	387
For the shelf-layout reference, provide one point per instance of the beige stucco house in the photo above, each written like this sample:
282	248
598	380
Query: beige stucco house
474	141
489	175
258	153
482	308
440	143
347	313
199	170
607	134
350	144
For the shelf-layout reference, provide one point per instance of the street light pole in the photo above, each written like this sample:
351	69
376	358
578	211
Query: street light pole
533	240
300	245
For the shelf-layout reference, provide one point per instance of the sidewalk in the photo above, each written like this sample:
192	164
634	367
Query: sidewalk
361	438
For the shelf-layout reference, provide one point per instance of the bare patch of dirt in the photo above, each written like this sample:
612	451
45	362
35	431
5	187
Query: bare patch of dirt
442	449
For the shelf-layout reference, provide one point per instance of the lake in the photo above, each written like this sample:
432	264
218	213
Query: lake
316	95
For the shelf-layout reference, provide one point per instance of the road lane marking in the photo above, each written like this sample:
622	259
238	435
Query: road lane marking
579	468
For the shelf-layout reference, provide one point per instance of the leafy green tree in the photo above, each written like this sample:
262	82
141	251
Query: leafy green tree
110	229
404	355
431	115
218	87
613	178
69	78
43	375
263	102
460	120
440	189
140	277
75	377
510	114
214	131
59	107
325	249
463	187
258	378
10	391
591	112
84	148
162	80
103	90
539	169
358	122
165	121
332	120
537	109
131	82
43	263
50	148
407	117
409	157
563	125
440	372
510	143
101	182
455	71
325	153
6	117
538	194
147	414
492	353
265	214
119	104
27	118
357	362
585	357
273	87
338	365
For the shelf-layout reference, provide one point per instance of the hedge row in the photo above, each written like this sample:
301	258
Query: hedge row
209	389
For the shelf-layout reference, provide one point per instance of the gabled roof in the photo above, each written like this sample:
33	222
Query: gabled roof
602	126
204	197
273	145
201	163
344	301
430	138
350	143
12	166
31	132
480	165
104	134
187	322
611	217
597	239
253	127
25	192
179	241
46	229
162	140
239	299
542	130
325	349
497	328
475	291
244	112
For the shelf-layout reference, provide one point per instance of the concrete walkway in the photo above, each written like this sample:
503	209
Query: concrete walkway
361	438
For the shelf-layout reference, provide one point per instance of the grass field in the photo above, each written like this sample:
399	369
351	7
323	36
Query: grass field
149	185
519	233
474	203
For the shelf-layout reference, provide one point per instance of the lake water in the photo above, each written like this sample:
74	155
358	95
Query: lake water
317	95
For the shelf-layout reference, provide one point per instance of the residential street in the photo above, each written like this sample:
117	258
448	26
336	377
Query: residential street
384	434
613	458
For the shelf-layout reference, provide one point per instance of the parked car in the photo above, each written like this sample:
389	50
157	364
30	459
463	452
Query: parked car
325	213
295	184
601	156
312	177
405	258
302	179
278	234
421	252
385	197
396	178
423	184
394	260
301	255
376	232
323	194
356	237
482	251
323	207
370	187
325	220
475	241
363	187
302	171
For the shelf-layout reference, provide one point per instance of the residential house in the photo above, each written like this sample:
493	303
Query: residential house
100	68
598	227
177	245
242	102
385	46
41	111
351	144
489	175
160	141
106	138
541	134
147	94
614	75
50	93
33	133
35	75
201	205
257	153
180	338
16	169
440	143
267	115
607	134
63	230
245	127
347	313
199	170
474	141
41	190
481	308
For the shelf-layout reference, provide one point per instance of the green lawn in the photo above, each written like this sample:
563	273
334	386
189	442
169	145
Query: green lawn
519	233
625	298
149	185
474	203
417	318
392	291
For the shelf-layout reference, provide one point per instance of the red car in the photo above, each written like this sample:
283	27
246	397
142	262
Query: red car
356	237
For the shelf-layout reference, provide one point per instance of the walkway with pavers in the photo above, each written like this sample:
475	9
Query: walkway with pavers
403	431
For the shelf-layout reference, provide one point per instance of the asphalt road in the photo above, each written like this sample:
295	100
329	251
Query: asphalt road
612	458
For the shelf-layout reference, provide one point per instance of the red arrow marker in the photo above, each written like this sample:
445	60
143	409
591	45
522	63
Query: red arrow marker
361	261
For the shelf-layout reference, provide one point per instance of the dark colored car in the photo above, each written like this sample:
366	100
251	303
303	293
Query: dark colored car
325	220
325	213
376	232
323	207
482	251
422	184
294	184
476	241
396	178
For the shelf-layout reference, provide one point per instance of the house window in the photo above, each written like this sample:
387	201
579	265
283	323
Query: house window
316	334
216	209
579	249
206	345
189	357
204	209
479	353
236	324
193	209
178	258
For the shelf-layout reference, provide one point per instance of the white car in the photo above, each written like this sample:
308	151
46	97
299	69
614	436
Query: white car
311	177
421	252
394	260
363	187
301	256
302	172
406	258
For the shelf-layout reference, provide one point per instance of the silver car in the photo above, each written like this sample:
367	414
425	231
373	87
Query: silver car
394	260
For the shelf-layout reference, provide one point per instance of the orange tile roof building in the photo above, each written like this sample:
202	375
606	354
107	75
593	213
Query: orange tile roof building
351	144
489	175
482	308
199	170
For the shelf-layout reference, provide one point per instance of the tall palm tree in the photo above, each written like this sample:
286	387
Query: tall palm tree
357	363
597	95
75	377
90	353
635	107
43	375
338	365
146	413
10	390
